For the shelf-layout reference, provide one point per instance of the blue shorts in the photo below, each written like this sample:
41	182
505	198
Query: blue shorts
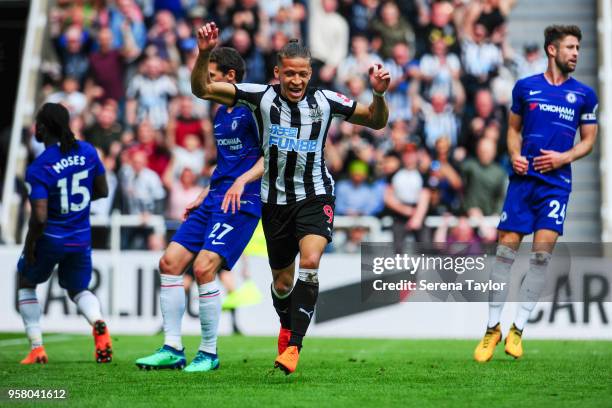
73	264
225	234
532	204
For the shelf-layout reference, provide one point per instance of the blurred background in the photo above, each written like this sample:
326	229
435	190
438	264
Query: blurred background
437	172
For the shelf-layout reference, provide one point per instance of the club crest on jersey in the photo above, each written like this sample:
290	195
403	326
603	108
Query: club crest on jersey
286	139
316	114
570	97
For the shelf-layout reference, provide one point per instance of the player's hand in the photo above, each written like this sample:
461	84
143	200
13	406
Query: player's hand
207	37
232	197
549	160
379	78
520	165
193	205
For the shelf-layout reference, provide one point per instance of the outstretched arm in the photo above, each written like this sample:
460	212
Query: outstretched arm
376	115
201	85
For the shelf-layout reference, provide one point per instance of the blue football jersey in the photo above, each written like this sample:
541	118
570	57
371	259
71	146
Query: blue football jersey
238	150
551	115
66	181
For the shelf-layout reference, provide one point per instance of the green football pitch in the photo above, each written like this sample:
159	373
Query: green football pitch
332	372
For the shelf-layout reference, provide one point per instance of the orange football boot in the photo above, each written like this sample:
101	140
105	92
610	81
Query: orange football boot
104	351
283	340
288	360
37	356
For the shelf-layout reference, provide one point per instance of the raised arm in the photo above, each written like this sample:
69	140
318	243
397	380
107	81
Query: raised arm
201	85
376	115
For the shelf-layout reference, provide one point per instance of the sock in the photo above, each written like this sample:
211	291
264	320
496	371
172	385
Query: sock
303	301
532	287
172	303
30	312
282	304
500	274
88	305
210	311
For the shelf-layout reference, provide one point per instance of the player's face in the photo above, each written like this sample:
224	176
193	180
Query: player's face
217	76
566	56
293	75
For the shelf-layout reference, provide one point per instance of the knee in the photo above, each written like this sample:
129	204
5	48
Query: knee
168	266
205	267
283	284
310	261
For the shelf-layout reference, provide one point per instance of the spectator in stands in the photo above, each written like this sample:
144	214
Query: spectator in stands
70	96
328	40
201	107
403	87
105	133
163	36
444	176
246	16
437	25
390	29
184	122
148	141
285	23
148	95
72	48
107	66
255	64
142	188
462	232
182	194
531	62
491	14
439	120
481	58
487	121
126	15
102	207
191	155
356	196
357	90
407	199
484	181
360	14
440	72
357	63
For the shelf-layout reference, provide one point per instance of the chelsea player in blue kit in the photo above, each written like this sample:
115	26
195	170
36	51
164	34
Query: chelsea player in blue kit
547	109
61	183
214	236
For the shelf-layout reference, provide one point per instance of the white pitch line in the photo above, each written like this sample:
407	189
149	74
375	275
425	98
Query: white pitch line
47	339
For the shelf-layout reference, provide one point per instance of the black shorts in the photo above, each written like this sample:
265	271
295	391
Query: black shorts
285	225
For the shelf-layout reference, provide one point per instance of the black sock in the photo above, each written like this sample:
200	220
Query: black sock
303	301
283	309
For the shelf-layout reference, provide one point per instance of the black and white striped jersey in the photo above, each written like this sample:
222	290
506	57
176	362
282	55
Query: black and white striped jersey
293	139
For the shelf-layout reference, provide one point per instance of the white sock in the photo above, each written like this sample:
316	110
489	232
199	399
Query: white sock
500	274
210	311
532	287
172	304
89	305
30	312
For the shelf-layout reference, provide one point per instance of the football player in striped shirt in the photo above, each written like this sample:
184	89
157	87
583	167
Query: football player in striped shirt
297	190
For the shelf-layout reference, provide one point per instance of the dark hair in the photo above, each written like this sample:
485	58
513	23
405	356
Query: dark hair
555	33
293	49
228	58
55	120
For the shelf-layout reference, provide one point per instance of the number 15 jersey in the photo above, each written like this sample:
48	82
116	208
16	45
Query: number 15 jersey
66	181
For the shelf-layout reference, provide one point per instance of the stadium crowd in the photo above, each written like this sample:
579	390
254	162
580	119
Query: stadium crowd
123	70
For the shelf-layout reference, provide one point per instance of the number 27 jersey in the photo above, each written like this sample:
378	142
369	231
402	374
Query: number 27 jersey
66	181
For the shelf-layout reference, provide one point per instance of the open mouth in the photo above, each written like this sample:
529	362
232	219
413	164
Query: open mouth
294	93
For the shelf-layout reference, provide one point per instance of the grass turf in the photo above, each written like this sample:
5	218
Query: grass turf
358	372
